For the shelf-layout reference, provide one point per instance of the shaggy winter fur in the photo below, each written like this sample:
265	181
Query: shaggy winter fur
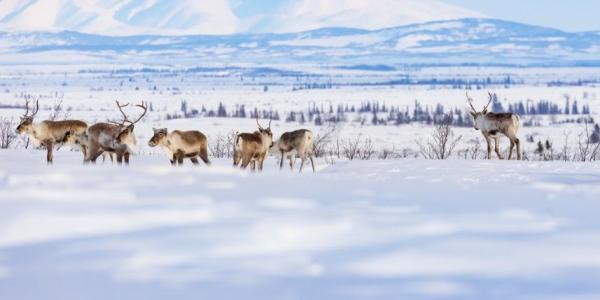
181	144
493	124
297	143
252	147
50	133
101	138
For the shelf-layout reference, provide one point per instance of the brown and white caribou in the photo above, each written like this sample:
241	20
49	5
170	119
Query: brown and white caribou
493	125
181	144
48	133
298	143
253	147
112	137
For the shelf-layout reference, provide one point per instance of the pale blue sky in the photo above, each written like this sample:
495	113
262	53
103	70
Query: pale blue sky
573	15
568	15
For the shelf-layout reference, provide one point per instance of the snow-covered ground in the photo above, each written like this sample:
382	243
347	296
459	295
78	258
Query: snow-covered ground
405	229
90	97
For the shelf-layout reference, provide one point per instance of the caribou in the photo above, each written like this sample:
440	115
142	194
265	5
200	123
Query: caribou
492	125
111	137
181	144
48	133
253	147
298	143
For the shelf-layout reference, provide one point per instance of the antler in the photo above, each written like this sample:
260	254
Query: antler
491	96
470	102
26	108
37	108
34	111
270	119
125	119
143	106
259	127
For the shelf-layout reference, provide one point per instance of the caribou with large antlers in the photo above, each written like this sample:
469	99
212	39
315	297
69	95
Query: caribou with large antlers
111	137
48	133
253	147
493	124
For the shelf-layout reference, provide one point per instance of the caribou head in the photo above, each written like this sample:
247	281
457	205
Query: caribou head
160	134
126	126
479	117
26	124
265	133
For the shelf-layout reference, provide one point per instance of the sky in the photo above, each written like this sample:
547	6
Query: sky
567	15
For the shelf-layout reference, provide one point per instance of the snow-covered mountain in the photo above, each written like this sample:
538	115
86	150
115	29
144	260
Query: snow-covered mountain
465	41
116	17
303	15
181	17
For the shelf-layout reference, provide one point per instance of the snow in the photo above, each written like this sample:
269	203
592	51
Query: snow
312	14
120	18
215	17
91	97
335	41
370	229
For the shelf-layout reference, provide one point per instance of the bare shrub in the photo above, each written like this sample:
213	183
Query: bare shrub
565	154
366	150
586	150
222	145
355	148
322	141
442	142
473	151
7	133
350	148
57	112
389	153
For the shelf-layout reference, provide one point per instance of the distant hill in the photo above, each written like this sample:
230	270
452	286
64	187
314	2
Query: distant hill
456	42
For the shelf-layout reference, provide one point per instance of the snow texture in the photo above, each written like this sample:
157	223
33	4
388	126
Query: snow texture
355	230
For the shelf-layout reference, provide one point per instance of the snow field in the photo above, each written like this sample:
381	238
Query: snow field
362	229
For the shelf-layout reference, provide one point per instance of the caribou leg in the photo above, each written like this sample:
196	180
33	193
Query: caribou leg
261	161
489	147
312	162
497	148
510	150
518	142
49	156
180	156
246	160
302	161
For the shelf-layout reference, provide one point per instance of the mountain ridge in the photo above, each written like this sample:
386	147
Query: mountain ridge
469	40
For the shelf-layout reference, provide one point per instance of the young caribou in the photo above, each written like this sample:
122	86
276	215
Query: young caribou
114	137
181	144
48	133
253	147
493	124
294	144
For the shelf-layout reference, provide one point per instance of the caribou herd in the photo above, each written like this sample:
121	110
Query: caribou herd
117	140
